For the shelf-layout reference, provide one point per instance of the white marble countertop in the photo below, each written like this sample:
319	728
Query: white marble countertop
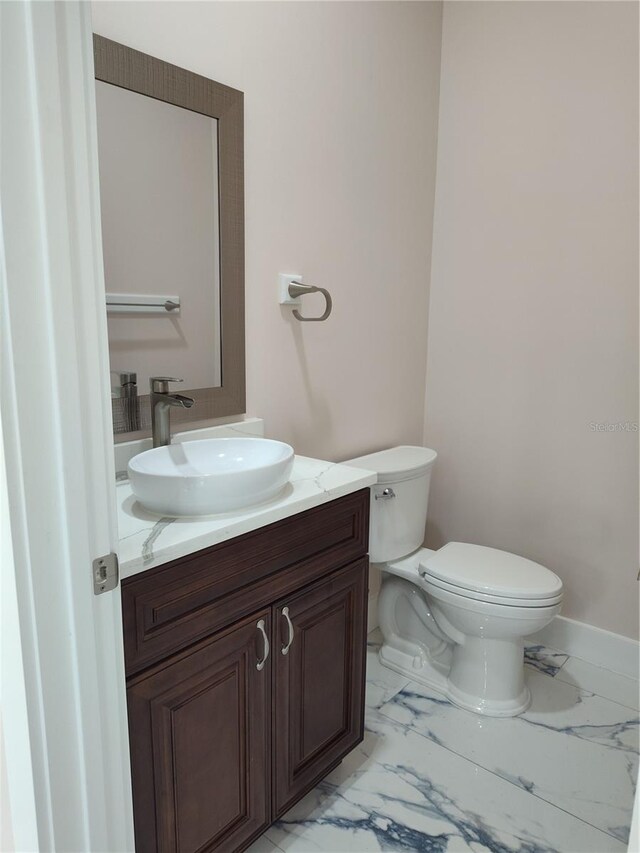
148	540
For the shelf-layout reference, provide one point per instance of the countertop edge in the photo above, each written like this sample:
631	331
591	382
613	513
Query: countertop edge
153	543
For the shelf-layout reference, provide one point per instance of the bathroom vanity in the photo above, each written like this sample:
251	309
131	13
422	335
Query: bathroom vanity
244	632
245	659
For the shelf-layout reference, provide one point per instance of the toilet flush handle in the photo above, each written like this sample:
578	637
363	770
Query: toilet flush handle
386	495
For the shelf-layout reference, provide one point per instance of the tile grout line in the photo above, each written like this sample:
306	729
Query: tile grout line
602	696
583	690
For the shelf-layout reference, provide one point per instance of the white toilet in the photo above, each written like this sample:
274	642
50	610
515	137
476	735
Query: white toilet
453	619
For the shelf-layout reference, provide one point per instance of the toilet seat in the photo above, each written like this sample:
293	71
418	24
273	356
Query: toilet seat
433	584
413	568
488	574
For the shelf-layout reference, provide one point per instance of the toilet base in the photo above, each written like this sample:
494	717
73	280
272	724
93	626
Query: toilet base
490	707
468	649
436	676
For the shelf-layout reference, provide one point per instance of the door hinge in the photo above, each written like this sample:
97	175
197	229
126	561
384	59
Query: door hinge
105	573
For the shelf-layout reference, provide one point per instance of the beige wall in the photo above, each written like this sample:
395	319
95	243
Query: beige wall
533	328
533	331
340	123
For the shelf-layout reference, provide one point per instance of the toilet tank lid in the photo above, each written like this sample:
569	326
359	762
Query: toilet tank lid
396	463
489	570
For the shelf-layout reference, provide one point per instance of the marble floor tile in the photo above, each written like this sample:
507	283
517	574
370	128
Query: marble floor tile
263	845
604	682
544	659
562	707
432	777
571	748
401	791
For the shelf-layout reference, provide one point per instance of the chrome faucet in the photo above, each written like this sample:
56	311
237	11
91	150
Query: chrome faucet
130	403
161	403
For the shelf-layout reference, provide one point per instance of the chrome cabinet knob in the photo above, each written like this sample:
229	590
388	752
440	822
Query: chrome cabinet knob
285	613
265	641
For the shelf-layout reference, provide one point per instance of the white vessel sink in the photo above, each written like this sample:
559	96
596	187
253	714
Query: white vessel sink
210	475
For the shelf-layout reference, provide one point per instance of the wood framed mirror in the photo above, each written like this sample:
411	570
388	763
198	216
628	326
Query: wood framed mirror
171	158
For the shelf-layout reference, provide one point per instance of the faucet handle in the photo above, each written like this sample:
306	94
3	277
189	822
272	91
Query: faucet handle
160	384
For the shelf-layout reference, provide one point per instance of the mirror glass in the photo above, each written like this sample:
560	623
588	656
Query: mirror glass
159	204
170	146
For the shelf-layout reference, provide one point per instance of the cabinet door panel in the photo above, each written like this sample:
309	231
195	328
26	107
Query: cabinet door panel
200	746
319	683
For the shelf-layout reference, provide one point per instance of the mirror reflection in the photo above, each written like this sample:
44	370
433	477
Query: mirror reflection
170	145
159	202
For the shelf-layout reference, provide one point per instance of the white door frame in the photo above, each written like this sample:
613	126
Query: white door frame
56	424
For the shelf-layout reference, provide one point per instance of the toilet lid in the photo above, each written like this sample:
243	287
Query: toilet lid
396	463
489	571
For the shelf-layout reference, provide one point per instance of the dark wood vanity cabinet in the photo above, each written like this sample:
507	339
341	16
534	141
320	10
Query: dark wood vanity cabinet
318	685
200	737
241	701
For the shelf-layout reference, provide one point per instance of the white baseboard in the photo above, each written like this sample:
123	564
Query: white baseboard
602	648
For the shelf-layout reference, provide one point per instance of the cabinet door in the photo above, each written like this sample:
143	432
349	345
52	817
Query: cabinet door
319	666
200	744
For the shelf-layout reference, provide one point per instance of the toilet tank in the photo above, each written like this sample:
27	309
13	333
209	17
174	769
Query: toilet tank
398	518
